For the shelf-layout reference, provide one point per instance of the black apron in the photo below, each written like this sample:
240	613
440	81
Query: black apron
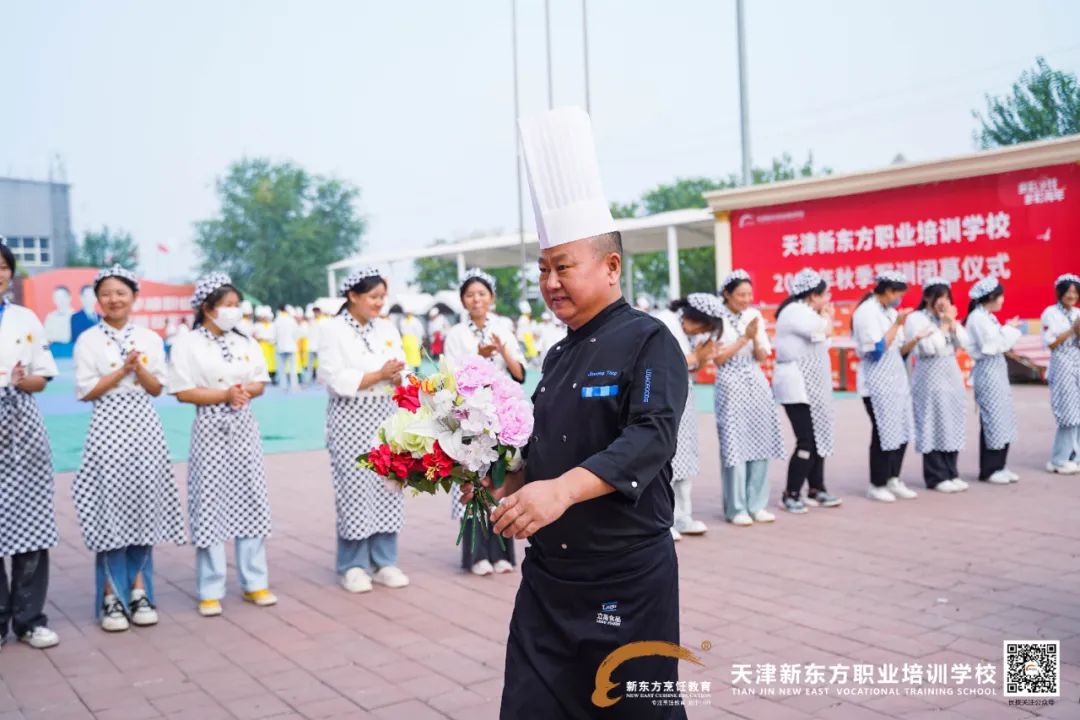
564	626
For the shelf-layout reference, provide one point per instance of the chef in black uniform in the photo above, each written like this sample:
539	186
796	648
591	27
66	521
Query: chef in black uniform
594	498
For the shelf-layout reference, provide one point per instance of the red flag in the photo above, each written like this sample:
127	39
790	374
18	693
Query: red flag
162	248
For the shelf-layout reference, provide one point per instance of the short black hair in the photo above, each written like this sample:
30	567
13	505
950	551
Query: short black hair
468	283
931	294
610	242
1063	287
213	300
715	324
97	283
9	257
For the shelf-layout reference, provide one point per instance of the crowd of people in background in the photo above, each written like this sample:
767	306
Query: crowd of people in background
127	500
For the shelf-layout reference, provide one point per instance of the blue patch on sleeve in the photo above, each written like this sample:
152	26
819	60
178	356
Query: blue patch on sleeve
648	386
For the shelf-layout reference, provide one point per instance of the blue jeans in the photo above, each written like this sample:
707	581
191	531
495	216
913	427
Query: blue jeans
746	487
1066	445
120	568
378	551
287	370
211	568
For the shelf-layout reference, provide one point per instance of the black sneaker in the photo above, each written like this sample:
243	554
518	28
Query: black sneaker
820	498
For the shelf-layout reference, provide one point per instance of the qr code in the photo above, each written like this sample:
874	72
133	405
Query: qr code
1032	668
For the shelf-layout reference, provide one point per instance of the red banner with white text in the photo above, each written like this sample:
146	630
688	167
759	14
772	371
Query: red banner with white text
1023	227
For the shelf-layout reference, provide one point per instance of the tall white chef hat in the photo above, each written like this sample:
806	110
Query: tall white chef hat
564	177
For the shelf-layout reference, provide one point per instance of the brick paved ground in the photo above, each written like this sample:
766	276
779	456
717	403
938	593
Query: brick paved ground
939	579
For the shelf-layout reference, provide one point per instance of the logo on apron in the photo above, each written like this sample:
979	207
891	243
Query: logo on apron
643	648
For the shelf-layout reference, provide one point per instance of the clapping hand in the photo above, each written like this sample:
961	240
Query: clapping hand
751	329
486	351
1014	322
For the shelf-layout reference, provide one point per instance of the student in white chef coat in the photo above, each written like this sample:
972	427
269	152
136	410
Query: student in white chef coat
1061	333
746	418
124	492
220	371
696	323
482	332
802	383
361	361
877	327
989	340
937	386
27	517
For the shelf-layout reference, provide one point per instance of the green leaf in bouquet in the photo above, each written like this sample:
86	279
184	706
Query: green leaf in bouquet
498	473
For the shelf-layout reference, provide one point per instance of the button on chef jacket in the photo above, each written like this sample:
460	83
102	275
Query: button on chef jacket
610	401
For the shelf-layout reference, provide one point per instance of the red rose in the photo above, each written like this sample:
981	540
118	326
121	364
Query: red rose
402	464
437	464
407	397
380	459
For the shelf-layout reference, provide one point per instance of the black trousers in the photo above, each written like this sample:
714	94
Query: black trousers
884	464
939	465
805	465
990	461
488	548
22	601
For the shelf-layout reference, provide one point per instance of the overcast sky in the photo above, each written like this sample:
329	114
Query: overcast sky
147	103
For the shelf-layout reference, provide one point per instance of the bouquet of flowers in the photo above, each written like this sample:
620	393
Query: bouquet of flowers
453	427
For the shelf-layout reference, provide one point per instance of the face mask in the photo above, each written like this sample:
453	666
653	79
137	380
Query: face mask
228	318
894	303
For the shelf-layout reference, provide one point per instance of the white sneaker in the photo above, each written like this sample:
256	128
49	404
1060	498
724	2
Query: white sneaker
675	535
142	612
999	478
40	638
1013	477
897	487
763	516
356	580
391	577
742	520
482	567
962	484
880	494
113	618
503	566
1066	468
691	527
946	486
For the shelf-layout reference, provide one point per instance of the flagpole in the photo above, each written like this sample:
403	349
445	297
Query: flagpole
517	153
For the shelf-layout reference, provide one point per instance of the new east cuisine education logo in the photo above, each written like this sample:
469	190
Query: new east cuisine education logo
660	693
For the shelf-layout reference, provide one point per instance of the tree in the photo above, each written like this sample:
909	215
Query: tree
1044	103
697	271
103	248
278	228
435	273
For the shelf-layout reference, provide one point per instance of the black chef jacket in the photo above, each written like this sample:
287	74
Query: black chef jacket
610	400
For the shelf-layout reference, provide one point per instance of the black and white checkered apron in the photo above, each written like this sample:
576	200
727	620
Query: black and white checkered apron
366	504
817	379
1063	376
685	463
886	381
124	491
227	495
993	395
938	399
27	516
746	419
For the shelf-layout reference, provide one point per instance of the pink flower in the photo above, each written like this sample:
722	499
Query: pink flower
475	372
516	421
505	389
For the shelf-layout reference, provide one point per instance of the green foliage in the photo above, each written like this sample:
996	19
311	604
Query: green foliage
1044	103
278	228
103	248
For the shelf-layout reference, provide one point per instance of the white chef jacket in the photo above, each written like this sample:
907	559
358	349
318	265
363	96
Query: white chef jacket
286	333
23	339
197	362
1055	321
732	334
344	359
96	356
987	337
869	324
935	343
799	332
461	342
